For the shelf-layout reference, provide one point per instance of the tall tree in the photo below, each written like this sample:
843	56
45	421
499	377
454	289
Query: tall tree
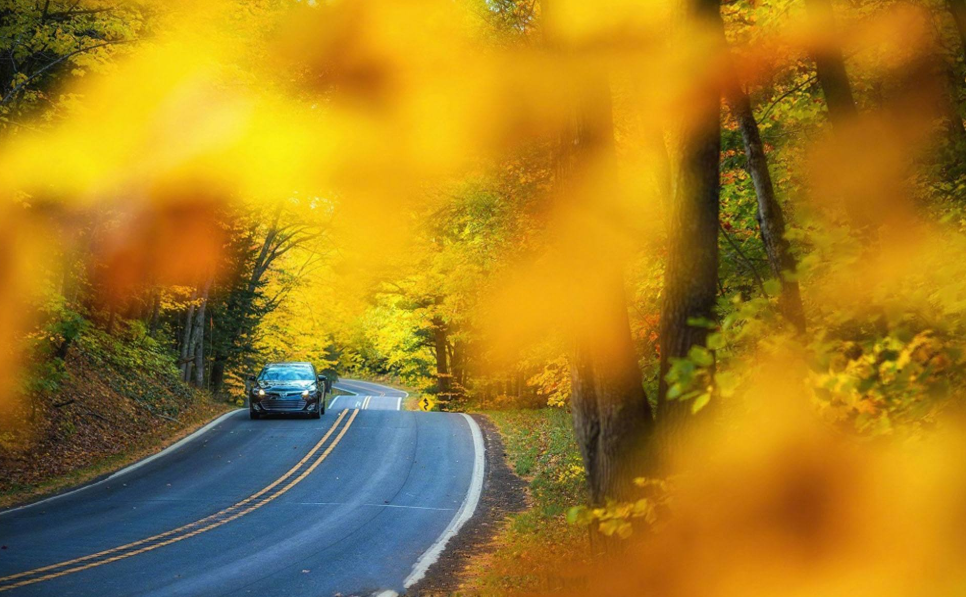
186	336
830	64
691	271
957	127
440	343
612	417
244	301
198	336
771	220
957	8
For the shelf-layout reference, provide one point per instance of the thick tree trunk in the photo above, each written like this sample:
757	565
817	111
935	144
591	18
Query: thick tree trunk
457	365
771	221
443	378
611	414
612	417
216	377
691	272
830	65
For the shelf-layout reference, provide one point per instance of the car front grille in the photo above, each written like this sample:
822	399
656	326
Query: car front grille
283	404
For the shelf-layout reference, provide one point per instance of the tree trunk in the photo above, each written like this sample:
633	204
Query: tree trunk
612	417
771	221
186	337
443	390
957	8
155	313
611	414
112	316
199	333
457	365
691	272
954	119
216	377
830	65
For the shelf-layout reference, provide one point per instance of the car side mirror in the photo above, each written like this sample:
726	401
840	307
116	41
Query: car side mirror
251	378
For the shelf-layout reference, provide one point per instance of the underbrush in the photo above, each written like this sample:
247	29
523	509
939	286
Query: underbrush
535	546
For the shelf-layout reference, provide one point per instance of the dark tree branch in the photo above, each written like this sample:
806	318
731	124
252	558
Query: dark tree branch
744	259
17	89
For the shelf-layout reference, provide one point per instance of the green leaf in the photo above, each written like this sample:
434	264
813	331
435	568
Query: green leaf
625	530
701	355
772	287
609	527
700	402
701	322
715	341
726	382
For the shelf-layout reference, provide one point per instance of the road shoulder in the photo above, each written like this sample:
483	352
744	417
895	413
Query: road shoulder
504	493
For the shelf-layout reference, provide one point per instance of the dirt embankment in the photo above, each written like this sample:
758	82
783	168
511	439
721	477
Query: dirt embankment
111	405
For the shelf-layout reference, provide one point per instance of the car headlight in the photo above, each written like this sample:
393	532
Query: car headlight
305	393
261	392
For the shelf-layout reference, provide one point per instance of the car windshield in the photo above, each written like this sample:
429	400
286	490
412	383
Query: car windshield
286	373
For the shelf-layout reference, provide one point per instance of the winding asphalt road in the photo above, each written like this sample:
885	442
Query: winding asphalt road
358	503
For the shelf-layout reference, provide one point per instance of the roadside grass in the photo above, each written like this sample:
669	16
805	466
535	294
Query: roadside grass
536	545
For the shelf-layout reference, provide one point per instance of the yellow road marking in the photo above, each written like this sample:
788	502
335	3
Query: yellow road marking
190	524
197	531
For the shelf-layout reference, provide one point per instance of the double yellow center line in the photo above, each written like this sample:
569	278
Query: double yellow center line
277	488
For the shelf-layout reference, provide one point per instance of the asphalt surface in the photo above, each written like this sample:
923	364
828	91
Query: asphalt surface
356	503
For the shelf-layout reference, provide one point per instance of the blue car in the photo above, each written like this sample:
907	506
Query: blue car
287	388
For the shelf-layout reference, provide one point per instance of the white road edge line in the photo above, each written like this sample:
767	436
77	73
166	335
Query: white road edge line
399	403
134	466
465	512
344	382
336	384
334	400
